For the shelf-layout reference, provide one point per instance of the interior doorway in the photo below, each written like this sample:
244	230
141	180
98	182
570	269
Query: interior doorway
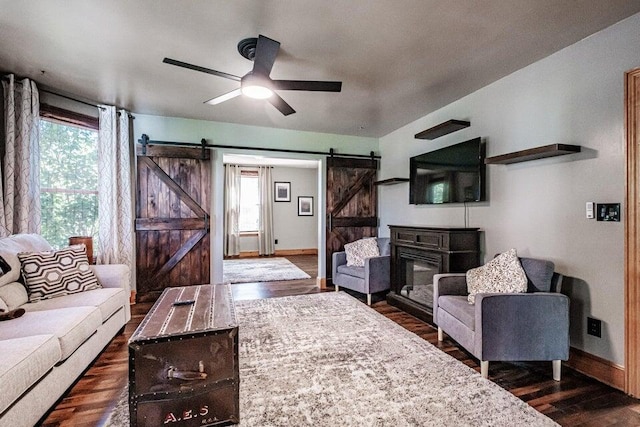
291	261
632	233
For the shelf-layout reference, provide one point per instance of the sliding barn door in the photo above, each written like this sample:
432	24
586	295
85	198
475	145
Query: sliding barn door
351	203
172	219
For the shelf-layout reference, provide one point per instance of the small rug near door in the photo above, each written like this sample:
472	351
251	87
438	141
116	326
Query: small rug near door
260	270
328	360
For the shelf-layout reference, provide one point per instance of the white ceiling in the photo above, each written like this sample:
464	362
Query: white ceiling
398	60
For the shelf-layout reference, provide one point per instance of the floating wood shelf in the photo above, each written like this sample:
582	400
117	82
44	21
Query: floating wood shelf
391	181
443	129
552	150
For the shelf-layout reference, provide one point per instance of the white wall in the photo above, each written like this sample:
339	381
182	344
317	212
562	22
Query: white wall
575	96
187	130
292	231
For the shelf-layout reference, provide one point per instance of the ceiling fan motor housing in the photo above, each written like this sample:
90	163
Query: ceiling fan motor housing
247	48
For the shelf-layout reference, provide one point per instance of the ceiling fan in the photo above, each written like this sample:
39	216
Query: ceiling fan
257	83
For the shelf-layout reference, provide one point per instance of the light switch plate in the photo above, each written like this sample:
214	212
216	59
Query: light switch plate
590	207
608	212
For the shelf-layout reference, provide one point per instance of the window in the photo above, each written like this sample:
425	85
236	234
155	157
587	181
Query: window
249	202
68	181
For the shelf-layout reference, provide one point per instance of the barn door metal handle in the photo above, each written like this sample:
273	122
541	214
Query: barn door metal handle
200	374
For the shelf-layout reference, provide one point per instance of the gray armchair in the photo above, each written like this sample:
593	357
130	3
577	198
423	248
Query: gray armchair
509	326
374	277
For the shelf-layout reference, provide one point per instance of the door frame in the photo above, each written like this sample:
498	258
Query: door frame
217	205
632	233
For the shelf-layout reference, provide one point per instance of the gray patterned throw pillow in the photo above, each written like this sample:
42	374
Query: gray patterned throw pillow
500	275
360	249
57	273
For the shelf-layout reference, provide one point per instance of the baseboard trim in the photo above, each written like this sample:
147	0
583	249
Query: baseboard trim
596	367
281	252
321	282
285	252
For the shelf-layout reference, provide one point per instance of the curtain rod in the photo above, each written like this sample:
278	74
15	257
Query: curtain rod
71	98
6	76
144	141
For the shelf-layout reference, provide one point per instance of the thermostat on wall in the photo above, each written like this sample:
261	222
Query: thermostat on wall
590	214
608	212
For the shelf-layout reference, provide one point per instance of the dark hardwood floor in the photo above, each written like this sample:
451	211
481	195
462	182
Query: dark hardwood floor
575	401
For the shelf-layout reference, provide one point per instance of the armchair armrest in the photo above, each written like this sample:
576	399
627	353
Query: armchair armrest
337	259
447	284
450	284
522	326
377	273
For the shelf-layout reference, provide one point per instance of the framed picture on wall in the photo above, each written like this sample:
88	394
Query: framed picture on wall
305	206
281	191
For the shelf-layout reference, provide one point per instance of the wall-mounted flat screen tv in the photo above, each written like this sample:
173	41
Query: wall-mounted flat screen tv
454	174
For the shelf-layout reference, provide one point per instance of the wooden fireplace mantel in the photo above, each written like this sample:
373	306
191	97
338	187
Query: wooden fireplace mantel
445	249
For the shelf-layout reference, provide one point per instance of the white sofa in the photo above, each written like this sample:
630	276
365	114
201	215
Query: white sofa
44	351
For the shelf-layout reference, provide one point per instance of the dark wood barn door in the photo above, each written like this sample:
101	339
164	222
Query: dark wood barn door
172	219
351	203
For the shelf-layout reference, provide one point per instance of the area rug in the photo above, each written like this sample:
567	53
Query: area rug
329	360
260	270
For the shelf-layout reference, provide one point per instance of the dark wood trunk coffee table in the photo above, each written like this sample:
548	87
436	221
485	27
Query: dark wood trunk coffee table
183	360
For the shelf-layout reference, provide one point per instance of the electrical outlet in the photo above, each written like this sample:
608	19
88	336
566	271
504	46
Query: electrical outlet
594	327
276	241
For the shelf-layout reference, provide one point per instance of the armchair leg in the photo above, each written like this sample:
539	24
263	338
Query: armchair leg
557	367
440	334
337	288
369	299
484	368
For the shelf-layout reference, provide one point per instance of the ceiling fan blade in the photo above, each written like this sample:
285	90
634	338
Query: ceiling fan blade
227	96
281	104
266	52
201	69
307	85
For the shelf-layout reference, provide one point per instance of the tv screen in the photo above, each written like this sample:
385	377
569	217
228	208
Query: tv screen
453	174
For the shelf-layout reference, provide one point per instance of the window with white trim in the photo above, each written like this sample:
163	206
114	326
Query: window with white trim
68	181
249	202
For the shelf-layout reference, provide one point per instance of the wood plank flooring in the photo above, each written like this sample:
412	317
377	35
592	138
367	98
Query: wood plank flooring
575	401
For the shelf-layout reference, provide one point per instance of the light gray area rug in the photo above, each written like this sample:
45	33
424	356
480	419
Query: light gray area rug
260	270
329	360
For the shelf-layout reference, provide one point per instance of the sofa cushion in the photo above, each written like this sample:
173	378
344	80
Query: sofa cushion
108	300
24	361
11	246
458	307
500	275
72	326
360	249
3	306
52	274
14	294
351	270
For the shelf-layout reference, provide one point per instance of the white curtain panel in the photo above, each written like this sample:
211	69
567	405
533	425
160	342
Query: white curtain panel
231	210
20	192
266	244
115	215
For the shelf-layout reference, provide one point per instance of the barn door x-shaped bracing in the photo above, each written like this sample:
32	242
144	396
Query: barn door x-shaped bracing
351	203
172	219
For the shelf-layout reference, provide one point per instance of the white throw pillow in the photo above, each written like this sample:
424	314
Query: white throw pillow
502	274
53	274
359	250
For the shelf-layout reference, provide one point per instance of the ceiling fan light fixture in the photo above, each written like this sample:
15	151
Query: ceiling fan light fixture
257	91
